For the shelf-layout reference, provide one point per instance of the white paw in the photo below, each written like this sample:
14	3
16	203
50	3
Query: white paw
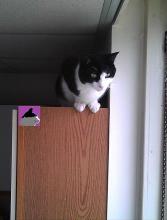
79	106
94	107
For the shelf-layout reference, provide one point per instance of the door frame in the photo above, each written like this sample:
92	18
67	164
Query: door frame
13	166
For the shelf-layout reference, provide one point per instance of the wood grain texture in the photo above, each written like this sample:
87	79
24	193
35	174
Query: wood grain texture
62	166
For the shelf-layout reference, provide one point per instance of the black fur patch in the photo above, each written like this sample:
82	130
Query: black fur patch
68	72
97	65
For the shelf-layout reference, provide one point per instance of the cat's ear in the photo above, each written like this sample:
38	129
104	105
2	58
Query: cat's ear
111	57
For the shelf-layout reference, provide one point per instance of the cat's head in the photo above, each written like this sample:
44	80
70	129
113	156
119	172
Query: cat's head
98	70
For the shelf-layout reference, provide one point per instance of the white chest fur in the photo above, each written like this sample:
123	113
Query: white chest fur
88	92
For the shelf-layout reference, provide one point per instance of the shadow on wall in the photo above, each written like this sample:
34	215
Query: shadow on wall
31	89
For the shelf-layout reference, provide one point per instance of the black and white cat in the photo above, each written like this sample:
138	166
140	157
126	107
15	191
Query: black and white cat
84	81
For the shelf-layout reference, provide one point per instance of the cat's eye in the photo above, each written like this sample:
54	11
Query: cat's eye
93	75
108	75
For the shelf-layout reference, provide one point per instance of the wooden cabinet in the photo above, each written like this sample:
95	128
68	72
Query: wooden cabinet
62	166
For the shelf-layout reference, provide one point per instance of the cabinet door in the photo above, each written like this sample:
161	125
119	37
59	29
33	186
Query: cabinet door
62	166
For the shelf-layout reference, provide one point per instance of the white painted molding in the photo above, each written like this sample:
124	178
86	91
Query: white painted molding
13	166
127	115
153	112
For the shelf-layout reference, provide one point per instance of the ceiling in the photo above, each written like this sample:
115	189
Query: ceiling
35	35
50	16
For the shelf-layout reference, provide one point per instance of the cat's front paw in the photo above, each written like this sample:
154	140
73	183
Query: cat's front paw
94	107
79	106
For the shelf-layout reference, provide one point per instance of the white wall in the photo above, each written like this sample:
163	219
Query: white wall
136	112
126	116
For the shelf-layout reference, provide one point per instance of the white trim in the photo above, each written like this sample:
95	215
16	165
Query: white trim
153	113
127	198
127	114
13	166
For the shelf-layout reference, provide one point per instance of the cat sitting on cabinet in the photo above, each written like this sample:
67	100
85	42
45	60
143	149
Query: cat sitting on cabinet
84	81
